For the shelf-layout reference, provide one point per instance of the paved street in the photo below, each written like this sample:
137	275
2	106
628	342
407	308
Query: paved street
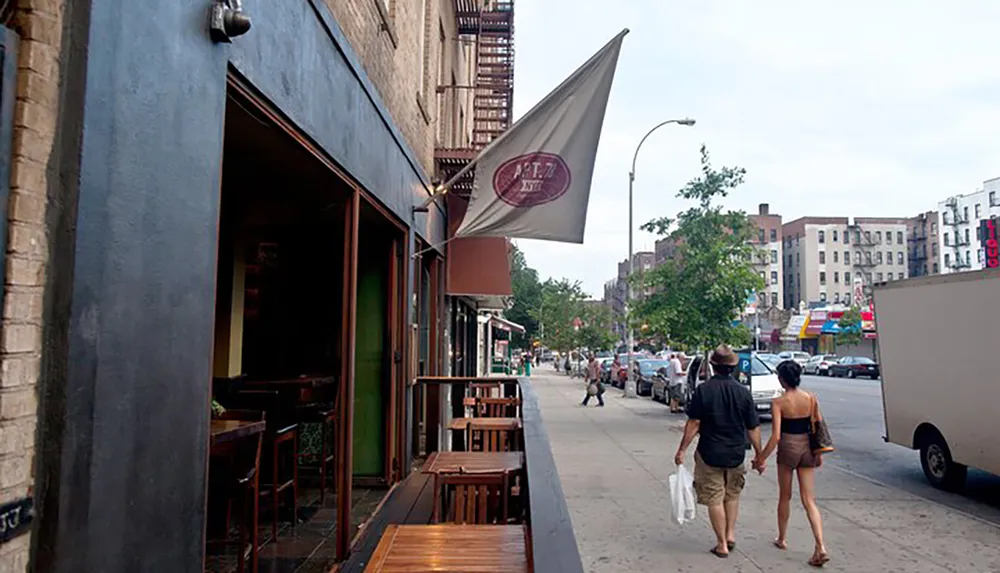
614	463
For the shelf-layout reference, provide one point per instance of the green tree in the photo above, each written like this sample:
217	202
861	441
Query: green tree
527	298
597	330
850	327
561	303
701	290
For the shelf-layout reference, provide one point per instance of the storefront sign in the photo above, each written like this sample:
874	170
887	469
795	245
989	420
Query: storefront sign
988	236
15	518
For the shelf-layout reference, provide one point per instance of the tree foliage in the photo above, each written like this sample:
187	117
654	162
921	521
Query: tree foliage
702	289
597	332
560	305
527	297
850	327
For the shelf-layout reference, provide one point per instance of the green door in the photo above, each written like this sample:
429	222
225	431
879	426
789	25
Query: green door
370	367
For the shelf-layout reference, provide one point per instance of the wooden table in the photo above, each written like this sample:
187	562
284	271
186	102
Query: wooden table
461	424
451	548
300	382
230	430
473	462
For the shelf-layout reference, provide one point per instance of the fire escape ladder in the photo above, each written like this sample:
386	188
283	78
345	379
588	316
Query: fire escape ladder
492	106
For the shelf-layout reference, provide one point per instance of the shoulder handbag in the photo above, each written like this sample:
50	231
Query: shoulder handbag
820	441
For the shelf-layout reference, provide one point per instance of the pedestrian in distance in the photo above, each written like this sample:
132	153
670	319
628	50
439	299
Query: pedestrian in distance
616	367
594	379
676	377
791	423
722	415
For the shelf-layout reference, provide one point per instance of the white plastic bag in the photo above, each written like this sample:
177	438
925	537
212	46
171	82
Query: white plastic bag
682	499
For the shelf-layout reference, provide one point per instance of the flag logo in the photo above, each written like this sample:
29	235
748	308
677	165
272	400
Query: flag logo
532	179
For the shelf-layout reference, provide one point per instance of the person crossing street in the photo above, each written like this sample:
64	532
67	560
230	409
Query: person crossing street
594	379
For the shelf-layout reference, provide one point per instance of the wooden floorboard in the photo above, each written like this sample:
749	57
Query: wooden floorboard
410	503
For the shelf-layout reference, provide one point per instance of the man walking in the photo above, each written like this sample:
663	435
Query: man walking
594	377
677	377
722	413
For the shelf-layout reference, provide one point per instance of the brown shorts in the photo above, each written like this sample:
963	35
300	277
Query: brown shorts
794	451
717	485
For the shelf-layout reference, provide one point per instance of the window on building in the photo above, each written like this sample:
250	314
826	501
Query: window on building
993	199
966	236
836	256
760	235
774	277
902	276
868	278
888	257
947	239
965	214
847	256
822	297
822	278
774	235
797	259
836	298
968	257
878	236
899	238
822	237
847	278
937	268
933	226
878	258
835	235
836	276
774	257
847	237
857	258
979	211
847	298
868	237
822	257
789	260
763	277
947	259
900	257
868	258
979	255
774	299
934	249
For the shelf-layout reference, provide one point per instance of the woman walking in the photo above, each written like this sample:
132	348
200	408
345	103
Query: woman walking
790	427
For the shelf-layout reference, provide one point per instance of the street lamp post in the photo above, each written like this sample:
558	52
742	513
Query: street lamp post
630	382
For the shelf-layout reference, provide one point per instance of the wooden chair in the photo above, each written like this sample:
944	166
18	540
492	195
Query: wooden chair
486	390
237	476
471	498
497	407
482	438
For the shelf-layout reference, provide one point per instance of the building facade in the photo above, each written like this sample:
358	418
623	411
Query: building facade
824	256
769	256
961	226
191	205
924	247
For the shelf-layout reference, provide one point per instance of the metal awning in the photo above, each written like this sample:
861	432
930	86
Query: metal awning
506	325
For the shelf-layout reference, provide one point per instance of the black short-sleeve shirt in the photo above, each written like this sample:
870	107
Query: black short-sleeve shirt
726	411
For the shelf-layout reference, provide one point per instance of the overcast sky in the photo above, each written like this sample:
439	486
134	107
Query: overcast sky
837	109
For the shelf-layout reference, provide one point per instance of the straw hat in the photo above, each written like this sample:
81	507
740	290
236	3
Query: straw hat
723	355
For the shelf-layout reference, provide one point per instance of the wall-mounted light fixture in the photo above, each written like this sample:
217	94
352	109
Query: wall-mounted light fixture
228	20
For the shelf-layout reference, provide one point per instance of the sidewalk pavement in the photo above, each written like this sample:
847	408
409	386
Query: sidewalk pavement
614	463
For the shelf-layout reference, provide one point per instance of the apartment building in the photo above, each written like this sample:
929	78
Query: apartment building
616	290
962	225
923	244
768	259
825	255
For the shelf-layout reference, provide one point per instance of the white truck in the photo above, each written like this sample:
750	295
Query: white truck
938	347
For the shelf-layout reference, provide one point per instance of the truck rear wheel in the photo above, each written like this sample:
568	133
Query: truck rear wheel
940	469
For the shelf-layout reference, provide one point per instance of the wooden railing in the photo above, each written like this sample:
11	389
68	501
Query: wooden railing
553	542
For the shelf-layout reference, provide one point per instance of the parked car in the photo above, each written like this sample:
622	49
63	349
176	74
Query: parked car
771	360
764	385
820	364
647	373
854	366
606	369
801	357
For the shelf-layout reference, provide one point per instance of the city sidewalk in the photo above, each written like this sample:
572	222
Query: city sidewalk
614	463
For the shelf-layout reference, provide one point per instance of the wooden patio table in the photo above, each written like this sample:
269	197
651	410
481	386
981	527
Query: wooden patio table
461	424
473	462
230	430
451	549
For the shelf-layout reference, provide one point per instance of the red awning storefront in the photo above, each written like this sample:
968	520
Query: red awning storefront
815	326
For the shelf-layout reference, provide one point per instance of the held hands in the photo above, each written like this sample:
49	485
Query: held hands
759	464
679	457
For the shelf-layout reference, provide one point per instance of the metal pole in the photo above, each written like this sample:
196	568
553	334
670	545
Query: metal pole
630	389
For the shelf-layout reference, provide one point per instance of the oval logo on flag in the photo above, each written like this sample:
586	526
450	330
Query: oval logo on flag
532	179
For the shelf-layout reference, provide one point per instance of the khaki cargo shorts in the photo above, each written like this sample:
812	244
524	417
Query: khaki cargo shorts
717	485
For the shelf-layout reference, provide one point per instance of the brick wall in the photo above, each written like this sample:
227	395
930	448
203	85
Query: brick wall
386	35
39	23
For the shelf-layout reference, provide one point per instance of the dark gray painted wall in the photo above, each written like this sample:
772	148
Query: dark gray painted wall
316	79
125	449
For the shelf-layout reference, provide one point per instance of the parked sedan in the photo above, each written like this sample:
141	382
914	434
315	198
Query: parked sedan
801	357
647	373
606	369
854	366
820	364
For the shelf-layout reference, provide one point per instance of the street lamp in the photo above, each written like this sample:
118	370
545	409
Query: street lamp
630	383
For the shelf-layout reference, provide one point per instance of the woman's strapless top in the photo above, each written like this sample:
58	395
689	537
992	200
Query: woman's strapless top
795	425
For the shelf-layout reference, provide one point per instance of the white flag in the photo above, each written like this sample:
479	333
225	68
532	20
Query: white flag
533	181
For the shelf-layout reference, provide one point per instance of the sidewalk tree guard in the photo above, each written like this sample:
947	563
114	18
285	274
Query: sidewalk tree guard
699	292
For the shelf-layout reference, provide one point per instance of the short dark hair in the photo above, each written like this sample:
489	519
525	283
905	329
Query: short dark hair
790	373
723	369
